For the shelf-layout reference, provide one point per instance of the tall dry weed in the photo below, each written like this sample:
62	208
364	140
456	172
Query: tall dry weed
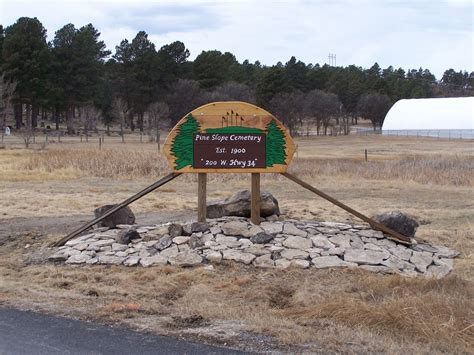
108	163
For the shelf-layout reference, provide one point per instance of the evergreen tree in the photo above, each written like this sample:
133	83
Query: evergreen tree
275	145
182	147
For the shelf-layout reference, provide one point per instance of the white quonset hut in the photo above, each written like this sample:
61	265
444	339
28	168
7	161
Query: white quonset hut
443	117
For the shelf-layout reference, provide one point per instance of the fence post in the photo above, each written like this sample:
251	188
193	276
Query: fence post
141	137
366	155
100	142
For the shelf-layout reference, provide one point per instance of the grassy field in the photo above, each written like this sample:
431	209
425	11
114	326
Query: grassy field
294	310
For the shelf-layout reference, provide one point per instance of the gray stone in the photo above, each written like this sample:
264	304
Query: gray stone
370	257
264	261
122	216
197	227
187	258
78	258
356	242
163	243
371	246
322	242
100	244
175	230
238	256
289	228
239	205
92	261
119	247
421	260
370	233
395	262
398	222
125	236
341	240
257	250
121	253
272	227
214	257
424	247
445	252
295	242
335	225
298	263
254	230
196	242
153	260
327	231
439	270
215	230
230	242
169	252
282	263
183	247
401	252
235	228
180	240
323	262
261	238
291	254
81	246
131	261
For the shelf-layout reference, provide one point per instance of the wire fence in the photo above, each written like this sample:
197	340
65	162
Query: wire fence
439	133
41	139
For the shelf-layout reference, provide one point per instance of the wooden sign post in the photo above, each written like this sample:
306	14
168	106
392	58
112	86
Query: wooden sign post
229	137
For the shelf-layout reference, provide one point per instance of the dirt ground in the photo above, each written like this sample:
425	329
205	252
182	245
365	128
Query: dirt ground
288	310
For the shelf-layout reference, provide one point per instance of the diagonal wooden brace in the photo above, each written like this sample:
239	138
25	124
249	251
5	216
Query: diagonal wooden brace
374	224
128	201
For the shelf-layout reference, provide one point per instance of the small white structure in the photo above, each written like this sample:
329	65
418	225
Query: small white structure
431	114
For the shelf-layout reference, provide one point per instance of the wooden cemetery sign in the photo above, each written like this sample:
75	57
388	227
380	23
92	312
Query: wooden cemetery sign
229	137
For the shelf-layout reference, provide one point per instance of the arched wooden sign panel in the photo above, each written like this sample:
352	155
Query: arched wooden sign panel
229	137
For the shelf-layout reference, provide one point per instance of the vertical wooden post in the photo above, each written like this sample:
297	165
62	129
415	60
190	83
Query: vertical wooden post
202	192
255	199
100	142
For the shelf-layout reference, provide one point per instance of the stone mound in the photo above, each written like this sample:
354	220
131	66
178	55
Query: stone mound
273	244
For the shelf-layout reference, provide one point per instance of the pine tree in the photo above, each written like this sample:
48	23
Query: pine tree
275	144
182	146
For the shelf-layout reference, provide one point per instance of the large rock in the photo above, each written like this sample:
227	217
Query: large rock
239	205
122	216
125	236
323	262
399	222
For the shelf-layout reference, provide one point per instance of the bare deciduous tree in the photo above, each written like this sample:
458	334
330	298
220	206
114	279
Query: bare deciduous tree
157	112
121	108
89	117
288	108
321	107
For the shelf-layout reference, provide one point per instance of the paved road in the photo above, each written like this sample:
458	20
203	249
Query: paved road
24	332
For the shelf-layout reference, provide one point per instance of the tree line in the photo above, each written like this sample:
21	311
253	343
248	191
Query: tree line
74	79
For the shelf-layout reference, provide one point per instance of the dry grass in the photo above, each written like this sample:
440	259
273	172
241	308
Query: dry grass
320	310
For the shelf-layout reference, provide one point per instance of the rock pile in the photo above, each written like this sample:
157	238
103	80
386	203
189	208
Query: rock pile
273	244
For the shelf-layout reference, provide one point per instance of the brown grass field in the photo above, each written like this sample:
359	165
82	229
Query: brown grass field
294	310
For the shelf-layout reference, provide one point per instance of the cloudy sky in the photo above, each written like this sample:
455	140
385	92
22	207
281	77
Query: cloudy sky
433	34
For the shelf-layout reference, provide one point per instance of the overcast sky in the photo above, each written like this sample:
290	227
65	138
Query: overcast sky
433	34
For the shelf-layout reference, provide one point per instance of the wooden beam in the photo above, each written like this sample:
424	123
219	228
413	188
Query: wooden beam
128	201
255	199
374	224
202	197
